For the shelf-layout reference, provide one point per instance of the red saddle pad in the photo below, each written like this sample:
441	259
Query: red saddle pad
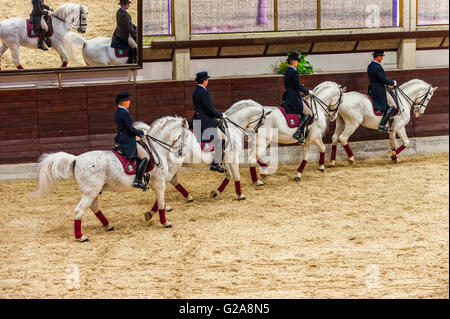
206	146
129	166
380	113
121	53
292	120
35	34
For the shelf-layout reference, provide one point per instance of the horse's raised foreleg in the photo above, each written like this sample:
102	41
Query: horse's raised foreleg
392	136
181	189
343	139
255	154
340	125
300	169
83	205
394	152
95	209
237	180
3	49
222	186
15	54
62	54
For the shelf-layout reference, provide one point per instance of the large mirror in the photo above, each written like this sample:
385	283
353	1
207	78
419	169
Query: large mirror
44	35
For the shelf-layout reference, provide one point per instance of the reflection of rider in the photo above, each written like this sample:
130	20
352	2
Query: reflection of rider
38	20
126	137
207	114
292	100
124	36
377	90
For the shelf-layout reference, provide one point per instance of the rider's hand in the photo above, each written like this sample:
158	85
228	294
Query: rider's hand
395	83
311	93
51	9
224	116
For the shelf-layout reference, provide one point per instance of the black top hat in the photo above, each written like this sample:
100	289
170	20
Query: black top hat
122	96
378	53
293	56
124	2
202	76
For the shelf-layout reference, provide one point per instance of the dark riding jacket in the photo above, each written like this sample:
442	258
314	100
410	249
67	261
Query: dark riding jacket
126	133
204	110
38	11
292	100
377	89
124	29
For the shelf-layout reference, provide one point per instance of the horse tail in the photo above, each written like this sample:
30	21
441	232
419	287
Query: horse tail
53	167
71	42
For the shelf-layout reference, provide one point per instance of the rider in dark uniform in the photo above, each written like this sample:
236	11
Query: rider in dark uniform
377	89
126	137
38	17
125	29
292	100
207	114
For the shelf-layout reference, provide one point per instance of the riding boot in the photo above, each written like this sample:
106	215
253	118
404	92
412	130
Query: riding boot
389	112
139	173
42	34
218	156
299	134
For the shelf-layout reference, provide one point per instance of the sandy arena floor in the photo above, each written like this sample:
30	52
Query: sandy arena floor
374	230
101	23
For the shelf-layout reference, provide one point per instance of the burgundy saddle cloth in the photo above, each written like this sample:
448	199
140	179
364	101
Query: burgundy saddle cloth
35	34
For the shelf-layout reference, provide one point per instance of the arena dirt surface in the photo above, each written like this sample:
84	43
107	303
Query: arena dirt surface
101	23
313	239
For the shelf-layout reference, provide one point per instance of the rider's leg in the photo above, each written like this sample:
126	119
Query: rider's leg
42	34
218	153
143	155
132	52
389	112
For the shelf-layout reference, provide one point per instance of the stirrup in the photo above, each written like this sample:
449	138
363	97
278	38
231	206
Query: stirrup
42	47
140	185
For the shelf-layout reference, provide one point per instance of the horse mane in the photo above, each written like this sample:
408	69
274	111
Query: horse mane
320	86
166	123
240	105
414	82
65	9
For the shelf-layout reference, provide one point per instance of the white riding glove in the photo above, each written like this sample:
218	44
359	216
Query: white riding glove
311	93
51	9
395	83
224	116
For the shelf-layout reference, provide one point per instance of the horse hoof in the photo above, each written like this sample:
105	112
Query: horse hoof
390	154
297	178
259	183
214	193
351	160
241	197
189	198
321	168
167	225
168	208
83	239
109	227
148	215
397	160
263	176
332	164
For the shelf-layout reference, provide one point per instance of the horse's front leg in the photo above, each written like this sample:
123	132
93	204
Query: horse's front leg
234	167
3	49
159	187
340	125
393	153
300	169
15	53
181	189
62	54
255	153
319	143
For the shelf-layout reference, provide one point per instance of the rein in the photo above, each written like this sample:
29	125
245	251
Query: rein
70	24
409	100
330	110
258	125
167	147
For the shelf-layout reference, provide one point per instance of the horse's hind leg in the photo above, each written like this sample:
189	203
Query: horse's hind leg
100	216
83	205
343	138
3	49
180	188
340	125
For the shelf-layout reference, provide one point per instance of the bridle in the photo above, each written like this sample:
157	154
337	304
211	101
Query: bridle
412	103
330	110
70	24
257	121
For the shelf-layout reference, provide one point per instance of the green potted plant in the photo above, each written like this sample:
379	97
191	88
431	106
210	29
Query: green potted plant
304	67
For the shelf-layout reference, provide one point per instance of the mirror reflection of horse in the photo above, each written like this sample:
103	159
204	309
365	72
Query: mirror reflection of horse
325	103
13	32
96	51
97	171
357	109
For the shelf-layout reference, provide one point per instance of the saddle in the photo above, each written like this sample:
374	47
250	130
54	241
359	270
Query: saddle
380	113
130	166
293	120
121	53
205	146
32	33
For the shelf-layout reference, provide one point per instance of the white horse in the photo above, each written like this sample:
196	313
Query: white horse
96	51
13	32
325	103
96	171
356	110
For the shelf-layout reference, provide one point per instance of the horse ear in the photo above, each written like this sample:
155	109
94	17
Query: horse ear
435	88
344	89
